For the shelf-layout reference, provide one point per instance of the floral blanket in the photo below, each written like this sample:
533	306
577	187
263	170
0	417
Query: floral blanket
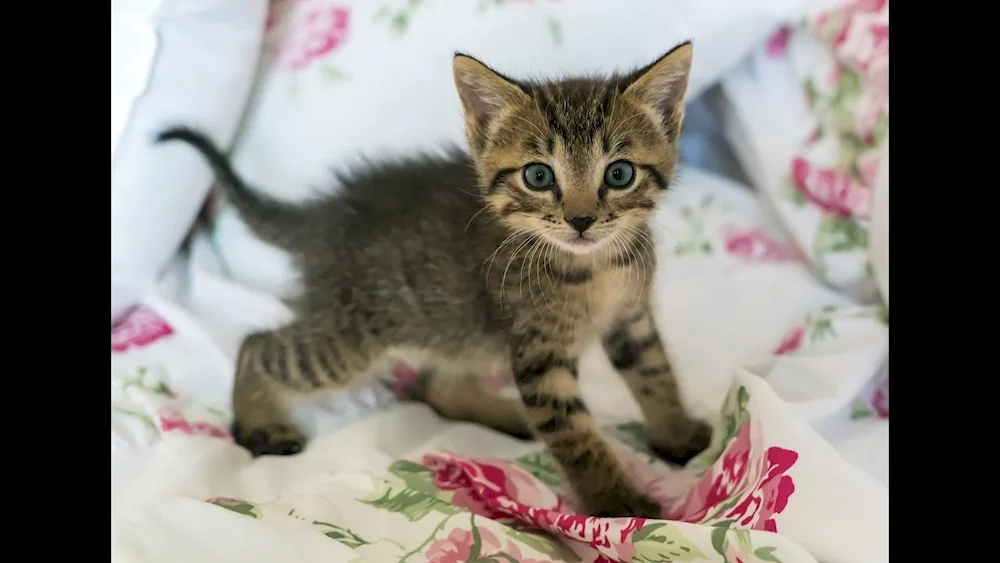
769	307
769	489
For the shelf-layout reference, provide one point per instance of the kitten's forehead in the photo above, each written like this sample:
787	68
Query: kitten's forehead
575	109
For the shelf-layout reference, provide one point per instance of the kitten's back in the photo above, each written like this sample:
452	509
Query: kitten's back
400	245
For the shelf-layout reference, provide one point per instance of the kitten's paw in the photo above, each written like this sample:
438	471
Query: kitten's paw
680	454
270	439
627	503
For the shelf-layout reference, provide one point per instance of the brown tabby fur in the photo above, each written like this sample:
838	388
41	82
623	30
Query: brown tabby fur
457	258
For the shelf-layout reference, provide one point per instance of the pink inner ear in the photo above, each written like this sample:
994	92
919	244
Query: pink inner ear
479	101
665	93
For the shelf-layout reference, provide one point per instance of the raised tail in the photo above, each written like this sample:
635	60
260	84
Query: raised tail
264	215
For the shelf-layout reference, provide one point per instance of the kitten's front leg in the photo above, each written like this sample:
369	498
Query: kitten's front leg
546	378
636	351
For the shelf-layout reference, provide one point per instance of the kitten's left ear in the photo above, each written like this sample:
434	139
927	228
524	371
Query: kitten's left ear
663	85
484	94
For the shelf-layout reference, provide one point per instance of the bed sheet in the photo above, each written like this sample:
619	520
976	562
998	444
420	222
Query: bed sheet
791	362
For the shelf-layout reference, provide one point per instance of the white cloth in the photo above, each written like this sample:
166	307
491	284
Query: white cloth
133	46
173	61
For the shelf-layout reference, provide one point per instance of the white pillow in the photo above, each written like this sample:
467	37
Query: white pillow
191	61
351	77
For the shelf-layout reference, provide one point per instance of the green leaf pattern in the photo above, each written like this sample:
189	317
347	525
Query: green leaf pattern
698	240
413	505
663	541
542	466
733	414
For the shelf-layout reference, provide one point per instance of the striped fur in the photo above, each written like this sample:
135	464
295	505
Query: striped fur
461	260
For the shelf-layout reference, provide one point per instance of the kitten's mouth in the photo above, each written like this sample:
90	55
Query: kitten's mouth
579	243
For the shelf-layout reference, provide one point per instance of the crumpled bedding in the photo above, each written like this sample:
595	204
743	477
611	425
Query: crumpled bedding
775	325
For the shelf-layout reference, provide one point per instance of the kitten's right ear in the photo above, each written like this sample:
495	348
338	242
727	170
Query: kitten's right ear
484	94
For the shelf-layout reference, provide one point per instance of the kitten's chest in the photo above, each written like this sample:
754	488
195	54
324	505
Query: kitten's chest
594	306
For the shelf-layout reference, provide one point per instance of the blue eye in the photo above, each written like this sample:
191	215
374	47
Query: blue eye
619	174
539	177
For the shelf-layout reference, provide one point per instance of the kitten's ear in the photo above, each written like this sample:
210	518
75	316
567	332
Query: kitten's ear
663	85
484	93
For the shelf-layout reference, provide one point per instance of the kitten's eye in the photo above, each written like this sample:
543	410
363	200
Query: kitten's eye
619	174
539	177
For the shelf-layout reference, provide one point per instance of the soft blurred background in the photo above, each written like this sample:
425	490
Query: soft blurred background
774	247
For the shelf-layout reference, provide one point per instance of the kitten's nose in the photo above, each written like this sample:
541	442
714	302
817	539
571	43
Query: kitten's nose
581	222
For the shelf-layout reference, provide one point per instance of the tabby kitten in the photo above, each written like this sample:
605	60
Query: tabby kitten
522	254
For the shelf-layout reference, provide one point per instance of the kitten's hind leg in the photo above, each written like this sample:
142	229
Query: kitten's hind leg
464	397
273	367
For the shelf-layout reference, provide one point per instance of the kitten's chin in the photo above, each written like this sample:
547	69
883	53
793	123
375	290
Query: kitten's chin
579	246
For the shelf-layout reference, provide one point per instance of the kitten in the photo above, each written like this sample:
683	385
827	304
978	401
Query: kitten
525	252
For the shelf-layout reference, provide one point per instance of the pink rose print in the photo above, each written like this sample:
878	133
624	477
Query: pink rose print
735	553
611	537
170	420
758	245
832	191
777	44
725	479
480	485
514	551
757	481
860	42
791	342
864	47
814	137
833	77
456	547
501	491
873	6
771	496
871	107
868	165
142	327
880	400
313	29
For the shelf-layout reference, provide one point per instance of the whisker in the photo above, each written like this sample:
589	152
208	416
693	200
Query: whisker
530	259
503	280
485	207
546	260
493	256
647	244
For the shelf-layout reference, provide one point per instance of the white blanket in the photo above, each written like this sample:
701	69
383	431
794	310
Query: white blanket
799	369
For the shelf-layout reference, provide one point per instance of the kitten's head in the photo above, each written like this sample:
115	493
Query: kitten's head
580	162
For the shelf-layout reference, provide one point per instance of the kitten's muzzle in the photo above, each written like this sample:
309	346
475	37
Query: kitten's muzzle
581	222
